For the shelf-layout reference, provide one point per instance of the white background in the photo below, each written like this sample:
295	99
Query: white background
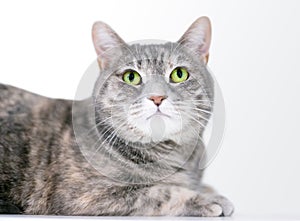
45	47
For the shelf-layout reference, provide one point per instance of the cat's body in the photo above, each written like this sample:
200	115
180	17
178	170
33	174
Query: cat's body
44	170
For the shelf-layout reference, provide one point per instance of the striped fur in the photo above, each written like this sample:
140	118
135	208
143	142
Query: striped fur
46	165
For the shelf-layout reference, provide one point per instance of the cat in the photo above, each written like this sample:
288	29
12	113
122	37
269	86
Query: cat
150	105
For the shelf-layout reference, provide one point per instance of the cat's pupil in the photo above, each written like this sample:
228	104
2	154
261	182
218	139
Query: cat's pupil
179	73
131	76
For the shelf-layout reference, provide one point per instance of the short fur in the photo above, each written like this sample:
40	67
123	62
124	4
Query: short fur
45	168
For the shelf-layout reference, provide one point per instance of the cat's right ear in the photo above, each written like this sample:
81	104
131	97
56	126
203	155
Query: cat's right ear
106	41
197	38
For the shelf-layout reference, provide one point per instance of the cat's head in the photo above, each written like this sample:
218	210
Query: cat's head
153	92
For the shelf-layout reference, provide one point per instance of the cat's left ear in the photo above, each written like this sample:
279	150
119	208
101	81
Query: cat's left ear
197	38
106	42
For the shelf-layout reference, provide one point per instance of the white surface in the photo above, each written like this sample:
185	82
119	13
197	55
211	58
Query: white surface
45	46
82	218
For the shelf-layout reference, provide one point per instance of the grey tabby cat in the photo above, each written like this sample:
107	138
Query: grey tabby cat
45	168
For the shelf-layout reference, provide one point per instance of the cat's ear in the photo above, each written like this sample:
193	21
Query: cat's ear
106	42
197	38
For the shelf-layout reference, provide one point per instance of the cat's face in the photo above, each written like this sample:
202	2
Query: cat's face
152	92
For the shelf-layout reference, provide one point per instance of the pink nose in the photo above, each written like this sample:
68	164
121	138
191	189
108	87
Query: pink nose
157	99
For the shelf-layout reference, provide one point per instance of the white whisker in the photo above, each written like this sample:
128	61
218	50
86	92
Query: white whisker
110	135
98	124
191	117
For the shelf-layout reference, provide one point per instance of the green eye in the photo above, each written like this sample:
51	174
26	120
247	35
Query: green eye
132	77
179	75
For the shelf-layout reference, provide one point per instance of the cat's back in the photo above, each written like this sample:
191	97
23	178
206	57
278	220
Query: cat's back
22	111
17	103
17	113
26	117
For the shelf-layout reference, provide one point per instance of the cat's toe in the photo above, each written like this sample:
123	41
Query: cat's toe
227	206
213	210
220	208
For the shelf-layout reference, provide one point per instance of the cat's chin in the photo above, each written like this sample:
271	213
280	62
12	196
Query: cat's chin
154	140
156	127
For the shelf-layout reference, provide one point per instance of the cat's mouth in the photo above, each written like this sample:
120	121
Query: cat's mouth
158	113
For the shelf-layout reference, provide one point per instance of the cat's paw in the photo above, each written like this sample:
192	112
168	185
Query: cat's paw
225	204
212	206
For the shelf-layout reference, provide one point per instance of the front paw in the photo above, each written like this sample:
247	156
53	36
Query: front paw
211	206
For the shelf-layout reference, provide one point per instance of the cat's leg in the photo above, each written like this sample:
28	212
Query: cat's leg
158	200
179	201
